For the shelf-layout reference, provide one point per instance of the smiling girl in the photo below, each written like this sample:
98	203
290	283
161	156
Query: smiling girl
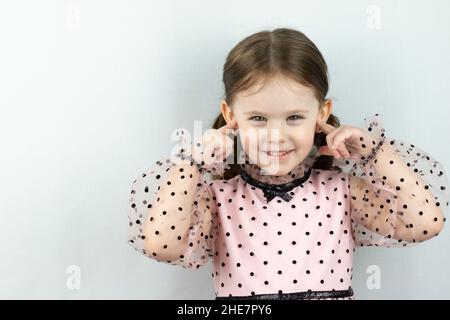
281	220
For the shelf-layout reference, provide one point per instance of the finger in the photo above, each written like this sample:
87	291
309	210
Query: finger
331	146
340	137
223	151
233	123
336	137
222	140
331	136
209	154
230	125
343	152
336	154
338	142
229	148
326	128
234	126
223	129
325	150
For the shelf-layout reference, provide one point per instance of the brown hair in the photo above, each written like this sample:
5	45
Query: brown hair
265	54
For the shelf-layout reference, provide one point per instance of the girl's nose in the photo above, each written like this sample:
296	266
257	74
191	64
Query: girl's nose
276	135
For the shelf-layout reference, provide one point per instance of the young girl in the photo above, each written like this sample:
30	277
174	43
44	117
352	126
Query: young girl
283	219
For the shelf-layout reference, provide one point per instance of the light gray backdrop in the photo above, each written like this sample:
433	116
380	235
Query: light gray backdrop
90	92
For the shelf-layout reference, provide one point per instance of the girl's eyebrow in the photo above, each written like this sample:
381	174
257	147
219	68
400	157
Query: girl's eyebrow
287	112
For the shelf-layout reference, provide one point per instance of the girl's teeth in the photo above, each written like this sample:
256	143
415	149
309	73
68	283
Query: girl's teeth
277	153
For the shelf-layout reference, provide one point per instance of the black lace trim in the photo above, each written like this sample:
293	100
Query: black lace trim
272	190
304	295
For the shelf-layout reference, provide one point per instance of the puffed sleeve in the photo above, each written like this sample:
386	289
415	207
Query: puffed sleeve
402	204
171	204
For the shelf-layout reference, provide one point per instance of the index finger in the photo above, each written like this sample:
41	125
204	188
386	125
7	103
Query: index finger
230	125
326	128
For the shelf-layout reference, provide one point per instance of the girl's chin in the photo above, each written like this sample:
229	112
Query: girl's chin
276	170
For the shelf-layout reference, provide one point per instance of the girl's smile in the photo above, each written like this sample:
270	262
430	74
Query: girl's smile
279	155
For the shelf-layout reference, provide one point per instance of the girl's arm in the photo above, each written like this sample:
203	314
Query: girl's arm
171	214
408	212
168	225
399	194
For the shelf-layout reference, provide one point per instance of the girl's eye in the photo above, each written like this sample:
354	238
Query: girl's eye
296	117
256	118
260	118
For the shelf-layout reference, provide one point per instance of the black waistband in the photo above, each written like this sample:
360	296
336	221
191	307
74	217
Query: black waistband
304	295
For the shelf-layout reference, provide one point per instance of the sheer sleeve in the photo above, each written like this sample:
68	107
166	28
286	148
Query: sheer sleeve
171	212
399	194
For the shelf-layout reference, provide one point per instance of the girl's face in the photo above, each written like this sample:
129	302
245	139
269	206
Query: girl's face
282	116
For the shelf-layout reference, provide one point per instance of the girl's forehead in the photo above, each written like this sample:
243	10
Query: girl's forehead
277	96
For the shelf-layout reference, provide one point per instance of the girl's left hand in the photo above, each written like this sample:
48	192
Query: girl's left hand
346	142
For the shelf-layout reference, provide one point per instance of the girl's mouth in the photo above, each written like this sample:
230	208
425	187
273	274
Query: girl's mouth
279	155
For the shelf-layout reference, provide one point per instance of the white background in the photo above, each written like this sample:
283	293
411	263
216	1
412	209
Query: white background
90	92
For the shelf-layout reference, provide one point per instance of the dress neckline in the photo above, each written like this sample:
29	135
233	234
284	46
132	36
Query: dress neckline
270	191
273	185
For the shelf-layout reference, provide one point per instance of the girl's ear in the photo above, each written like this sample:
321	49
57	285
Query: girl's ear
324	114
227	113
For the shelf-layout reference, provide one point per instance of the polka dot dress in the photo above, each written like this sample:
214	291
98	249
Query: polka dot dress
282	234
283	246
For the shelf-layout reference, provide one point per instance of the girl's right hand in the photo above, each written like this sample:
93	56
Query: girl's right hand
216	145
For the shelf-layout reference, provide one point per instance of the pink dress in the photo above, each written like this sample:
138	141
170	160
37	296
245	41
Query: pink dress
270	237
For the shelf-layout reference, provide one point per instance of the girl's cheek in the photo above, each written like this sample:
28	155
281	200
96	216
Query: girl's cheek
249	142
304	137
